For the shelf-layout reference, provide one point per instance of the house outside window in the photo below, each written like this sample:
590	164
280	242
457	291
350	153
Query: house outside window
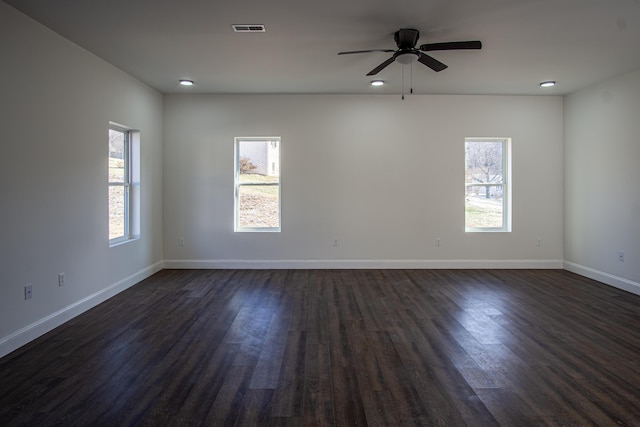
257	184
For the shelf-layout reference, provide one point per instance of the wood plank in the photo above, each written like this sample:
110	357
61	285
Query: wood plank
337	347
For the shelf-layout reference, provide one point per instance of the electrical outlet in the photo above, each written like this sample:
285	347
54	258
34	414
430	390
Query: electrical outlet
181	241
539	242
28	292
621	256
335	243
438	241
61	279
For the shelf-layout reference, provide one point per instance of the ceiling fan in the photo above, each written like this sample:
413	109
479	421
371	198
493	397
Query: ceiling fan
407	53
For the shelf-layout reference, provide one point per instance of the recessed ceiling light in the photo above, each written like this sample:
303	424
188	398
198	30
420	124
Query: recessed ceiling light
377	82
184	82
547	84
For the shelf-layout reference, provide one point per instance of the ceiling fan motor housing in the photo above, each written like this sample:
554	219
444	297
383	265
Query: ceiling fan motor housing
406	38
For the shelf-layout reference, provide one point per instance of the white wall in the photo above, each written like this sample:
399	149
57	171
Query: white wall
396	180
602	181
56	101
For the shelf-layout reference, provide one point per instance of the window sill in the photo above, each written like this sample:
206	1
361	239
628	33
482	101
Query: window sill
257	230
114	243
486	230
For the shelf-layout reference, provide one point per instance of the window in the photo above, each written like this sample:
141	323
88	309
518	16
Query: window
257	184
487	184
123	184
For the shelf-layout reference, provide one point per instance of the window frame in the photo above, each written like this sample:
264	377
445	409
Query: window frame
505	184
126	184
237	186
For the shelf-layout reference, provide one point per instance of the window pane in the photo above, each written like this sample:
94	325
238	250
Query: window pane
261	157
116	156
259	206
484	207
117	211
486	183
258	184
484	162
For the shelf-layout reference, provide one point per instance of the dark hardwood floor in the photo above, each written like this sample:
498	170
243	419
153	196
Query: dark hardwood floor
338	347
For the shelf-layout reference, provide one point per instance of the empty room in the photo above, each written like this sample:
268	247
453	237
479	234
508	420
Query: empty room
320	213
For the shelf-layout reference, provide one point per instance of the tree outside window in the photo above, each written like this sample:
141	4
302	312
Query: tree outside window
487	202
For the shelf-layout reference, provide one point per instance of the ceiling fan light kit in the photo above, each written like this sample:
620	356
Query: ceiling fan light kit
405	58
548	84
185	82
377	82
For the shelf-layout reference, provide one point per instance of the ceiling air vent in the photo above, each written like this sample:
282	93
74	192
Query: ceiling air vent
248	28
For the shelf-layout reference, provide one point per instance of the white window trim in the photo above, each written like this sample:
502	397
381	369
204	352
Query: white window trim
506	186
237	185
131	185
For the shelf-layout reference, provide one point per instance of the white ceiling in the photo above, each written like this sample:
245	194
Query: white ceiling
575	42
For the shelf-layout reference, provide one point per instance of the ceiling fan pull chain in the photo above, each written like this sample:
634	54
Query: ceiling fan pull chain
402	71
411	79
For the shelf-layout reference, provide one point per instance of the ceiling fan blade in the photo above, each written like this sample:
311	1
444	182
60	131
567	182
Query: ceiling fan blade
381	66
365	51
430	62
475	44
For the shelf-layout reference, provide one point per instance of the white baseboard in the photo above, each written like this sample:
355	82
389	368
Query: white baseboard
46	324
361	264
606	278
